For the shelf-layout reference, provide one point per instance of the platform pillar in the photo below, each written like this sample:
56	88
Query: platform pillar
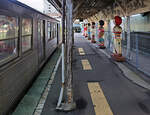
93	31
117	30
85	30
89	31
101	35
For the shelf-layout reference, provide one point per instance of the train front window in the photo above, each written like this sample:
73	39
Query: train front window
26	34
8	36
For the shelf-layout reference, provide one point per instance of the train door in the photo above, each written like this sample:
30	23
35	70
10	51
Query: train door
41	41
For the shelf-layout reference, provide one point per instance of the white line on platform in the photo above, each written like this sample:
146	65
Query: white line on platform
81	51
99	100
41	103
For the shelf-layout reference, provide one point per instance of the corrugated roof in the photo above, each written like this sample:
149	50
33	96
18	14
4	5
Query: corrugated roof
84	9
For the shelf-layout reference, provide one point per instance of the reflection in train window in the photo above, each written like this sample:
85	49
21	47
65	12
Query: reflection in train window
49	30
26	34
8	36
52	30
55	30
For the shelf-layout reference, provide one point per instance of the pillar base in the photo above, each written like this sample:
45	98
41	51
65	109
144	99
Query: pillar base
86	35
118	57
89	38
93	41
101	46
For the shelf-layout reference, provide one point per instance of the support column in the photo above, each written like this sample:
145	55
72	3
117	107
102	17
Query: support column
101	35
109	34
63	57
67	91
89	31
128	38
117	30
93	32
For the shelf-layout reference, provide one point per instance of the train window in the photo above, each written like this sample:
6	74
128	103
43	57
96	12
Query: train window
8	37
53	30
49	30
26	34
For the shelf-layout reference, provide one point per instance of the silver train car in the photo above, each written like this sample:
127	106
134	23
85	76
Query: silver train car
27	39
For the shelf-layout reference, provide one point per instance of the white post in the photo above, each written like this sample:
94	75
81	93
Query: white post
128	38
63	79
63	65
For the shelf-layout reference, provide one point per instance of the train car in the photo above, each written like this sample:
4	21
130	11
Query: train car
27	39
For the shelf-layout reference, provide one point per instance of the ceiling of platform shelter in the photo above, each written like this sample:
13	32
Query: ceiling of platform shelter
87	8
106	9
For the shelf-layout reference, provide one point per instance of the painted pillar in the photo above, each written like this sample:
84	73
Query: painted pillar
117	30
89	31
93	32
101	34
85	30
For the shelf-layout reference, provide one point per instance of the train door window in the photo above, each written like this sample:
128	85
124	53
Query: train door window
49	30
8	37
26	34
52	34
41	40
54	30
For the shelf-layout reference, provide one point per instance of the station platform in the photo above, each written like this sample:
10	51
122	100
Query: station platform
100	86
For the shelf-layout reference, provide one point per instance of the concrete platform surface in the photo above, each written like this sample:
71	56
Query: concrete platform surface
114	93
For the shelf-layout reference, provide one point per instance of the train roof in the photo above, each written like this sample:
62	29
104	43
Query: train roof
28	7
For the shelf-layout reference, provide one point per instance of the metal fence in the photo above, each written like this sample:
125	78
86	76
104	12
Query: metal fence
139	52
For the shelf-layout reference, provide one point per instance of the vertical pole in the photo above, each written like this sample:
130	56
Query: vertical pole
63	21
128	38
109	34
63	57
96	27
137	51
63	39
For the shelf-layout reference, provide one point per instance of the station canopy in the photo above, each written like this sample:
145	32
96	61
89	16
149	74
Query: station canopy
104	9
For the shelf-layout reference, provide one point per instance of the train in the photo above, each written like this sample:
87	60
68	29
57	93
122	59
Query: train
27	40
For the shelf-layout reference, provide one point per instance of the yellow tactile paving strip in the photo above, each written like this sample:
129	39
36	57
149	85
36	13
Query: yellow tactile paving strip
100	103
81	51
86	65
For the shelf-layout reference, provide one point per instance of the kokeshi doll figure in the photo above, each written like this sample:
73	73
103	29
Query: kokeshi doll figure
86	32
89	31
117	36
93	32
101	34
